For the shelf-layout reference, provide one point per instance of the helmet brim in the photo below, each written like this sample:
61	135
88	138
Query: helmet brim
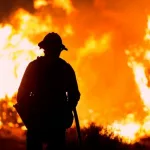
42	44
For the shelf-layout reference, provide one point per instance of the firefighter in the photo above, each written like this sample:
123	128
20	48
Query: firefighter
42	98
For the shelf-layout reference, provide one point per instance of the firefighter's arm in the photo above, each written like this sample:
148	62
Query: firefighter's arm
73	90
25	84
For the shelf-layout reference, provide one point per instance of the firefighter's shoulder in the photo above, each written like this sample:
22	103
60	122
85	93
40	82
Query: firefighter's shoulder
67	66
34	62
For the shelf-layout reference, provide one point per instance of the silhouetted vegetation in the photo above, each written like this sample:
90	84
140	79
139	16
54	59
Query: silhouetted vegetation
92	140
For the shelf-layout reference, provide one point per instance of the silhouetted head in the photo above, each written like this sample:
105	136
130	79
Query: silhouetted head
52	45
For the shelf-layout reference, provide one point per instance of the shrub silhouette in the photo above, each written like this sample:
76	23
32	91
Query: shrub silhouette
91	137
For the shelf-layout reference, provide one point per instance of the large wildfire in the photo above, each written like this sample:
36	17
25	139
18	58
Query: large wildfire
107	97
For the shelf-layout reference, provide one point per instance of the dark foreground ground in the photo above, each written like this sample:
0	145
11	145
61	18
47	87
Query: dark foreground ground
92	140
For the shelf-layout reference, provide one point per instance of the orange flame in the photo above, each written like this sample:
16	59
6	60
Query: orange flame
19	47
129	128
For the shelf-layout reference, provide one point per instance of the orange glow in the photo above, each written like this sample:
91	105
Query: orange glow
19	46
40	3
64	4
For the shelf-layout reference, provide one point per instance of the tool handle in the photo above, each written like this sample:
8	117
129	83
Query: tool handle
77	126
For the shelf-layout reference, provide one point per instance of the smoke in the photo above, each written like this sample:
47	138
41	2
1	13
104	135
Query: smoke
91	14
9	6
123	16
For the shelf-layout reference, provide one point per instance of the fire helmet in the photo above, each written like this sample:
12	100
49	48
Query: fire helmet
52	39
